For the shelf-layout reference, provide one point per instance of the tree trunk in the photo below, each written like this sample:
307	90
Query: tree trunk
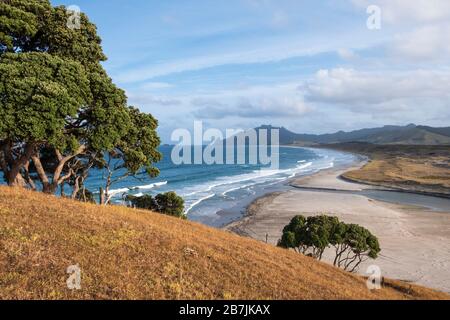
102	196
106	196
76	188
27	176
12	167
16	180
57	180
46	188
63	192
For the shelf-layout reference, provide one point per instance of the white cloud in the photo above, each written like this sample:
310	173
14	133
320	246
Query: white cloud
272	50
431	42
347	54
146	99
271	53
427	23
254	107
407	11
155	86
415	34
257	102
386	92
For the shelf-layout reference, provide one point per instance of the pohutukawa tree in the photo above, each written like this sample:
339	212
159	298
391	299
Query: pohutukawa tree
311	236
133	154
60	113
39	94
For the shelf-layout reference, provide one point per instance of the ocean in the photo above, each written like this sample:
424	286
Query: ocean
210	191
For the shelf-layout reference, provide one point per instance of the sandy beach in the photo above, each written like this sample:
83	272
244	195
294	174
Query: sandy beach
415	241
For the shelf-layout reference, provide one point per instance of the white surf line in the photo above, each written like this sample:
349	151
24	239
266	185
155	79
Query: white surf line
144	187
198	202
151	186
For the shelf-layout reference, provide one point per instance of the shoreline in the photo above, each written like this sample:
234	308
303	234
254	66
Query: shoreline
415	240
229	208
394	188
257	203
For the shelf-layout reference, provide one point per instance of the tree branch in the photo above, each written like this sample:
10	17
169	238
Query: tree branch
62	162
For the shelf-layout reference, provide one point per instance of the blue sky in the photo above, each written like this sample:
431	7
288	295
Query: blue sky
311	66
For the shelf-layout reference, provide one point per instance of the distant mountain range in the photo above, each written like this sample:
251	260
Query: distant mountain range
406	135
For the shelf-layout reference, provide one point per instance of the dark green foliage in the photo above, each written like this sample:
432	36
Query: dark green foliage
318	233
81	44
20	22
146	202
36	26
360	245
61	112
293	233
139	146
353	244
312	233
168	203
135	151
39	92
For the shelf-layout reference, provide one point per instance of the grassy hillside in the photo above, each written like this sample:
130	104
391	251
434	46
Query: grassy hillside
132	254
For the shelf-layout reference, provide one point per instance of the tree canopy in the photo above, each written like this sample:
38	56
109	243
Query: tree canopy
134	153
353	244
168	203
61	113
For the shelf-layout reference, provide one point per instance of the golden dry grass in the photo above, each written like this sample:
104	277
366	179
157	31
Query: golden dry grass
132	254
425	174
421	174
412	168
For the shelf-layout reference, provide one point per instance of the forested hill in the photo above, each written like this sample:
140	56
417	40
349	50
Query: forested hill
405	135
